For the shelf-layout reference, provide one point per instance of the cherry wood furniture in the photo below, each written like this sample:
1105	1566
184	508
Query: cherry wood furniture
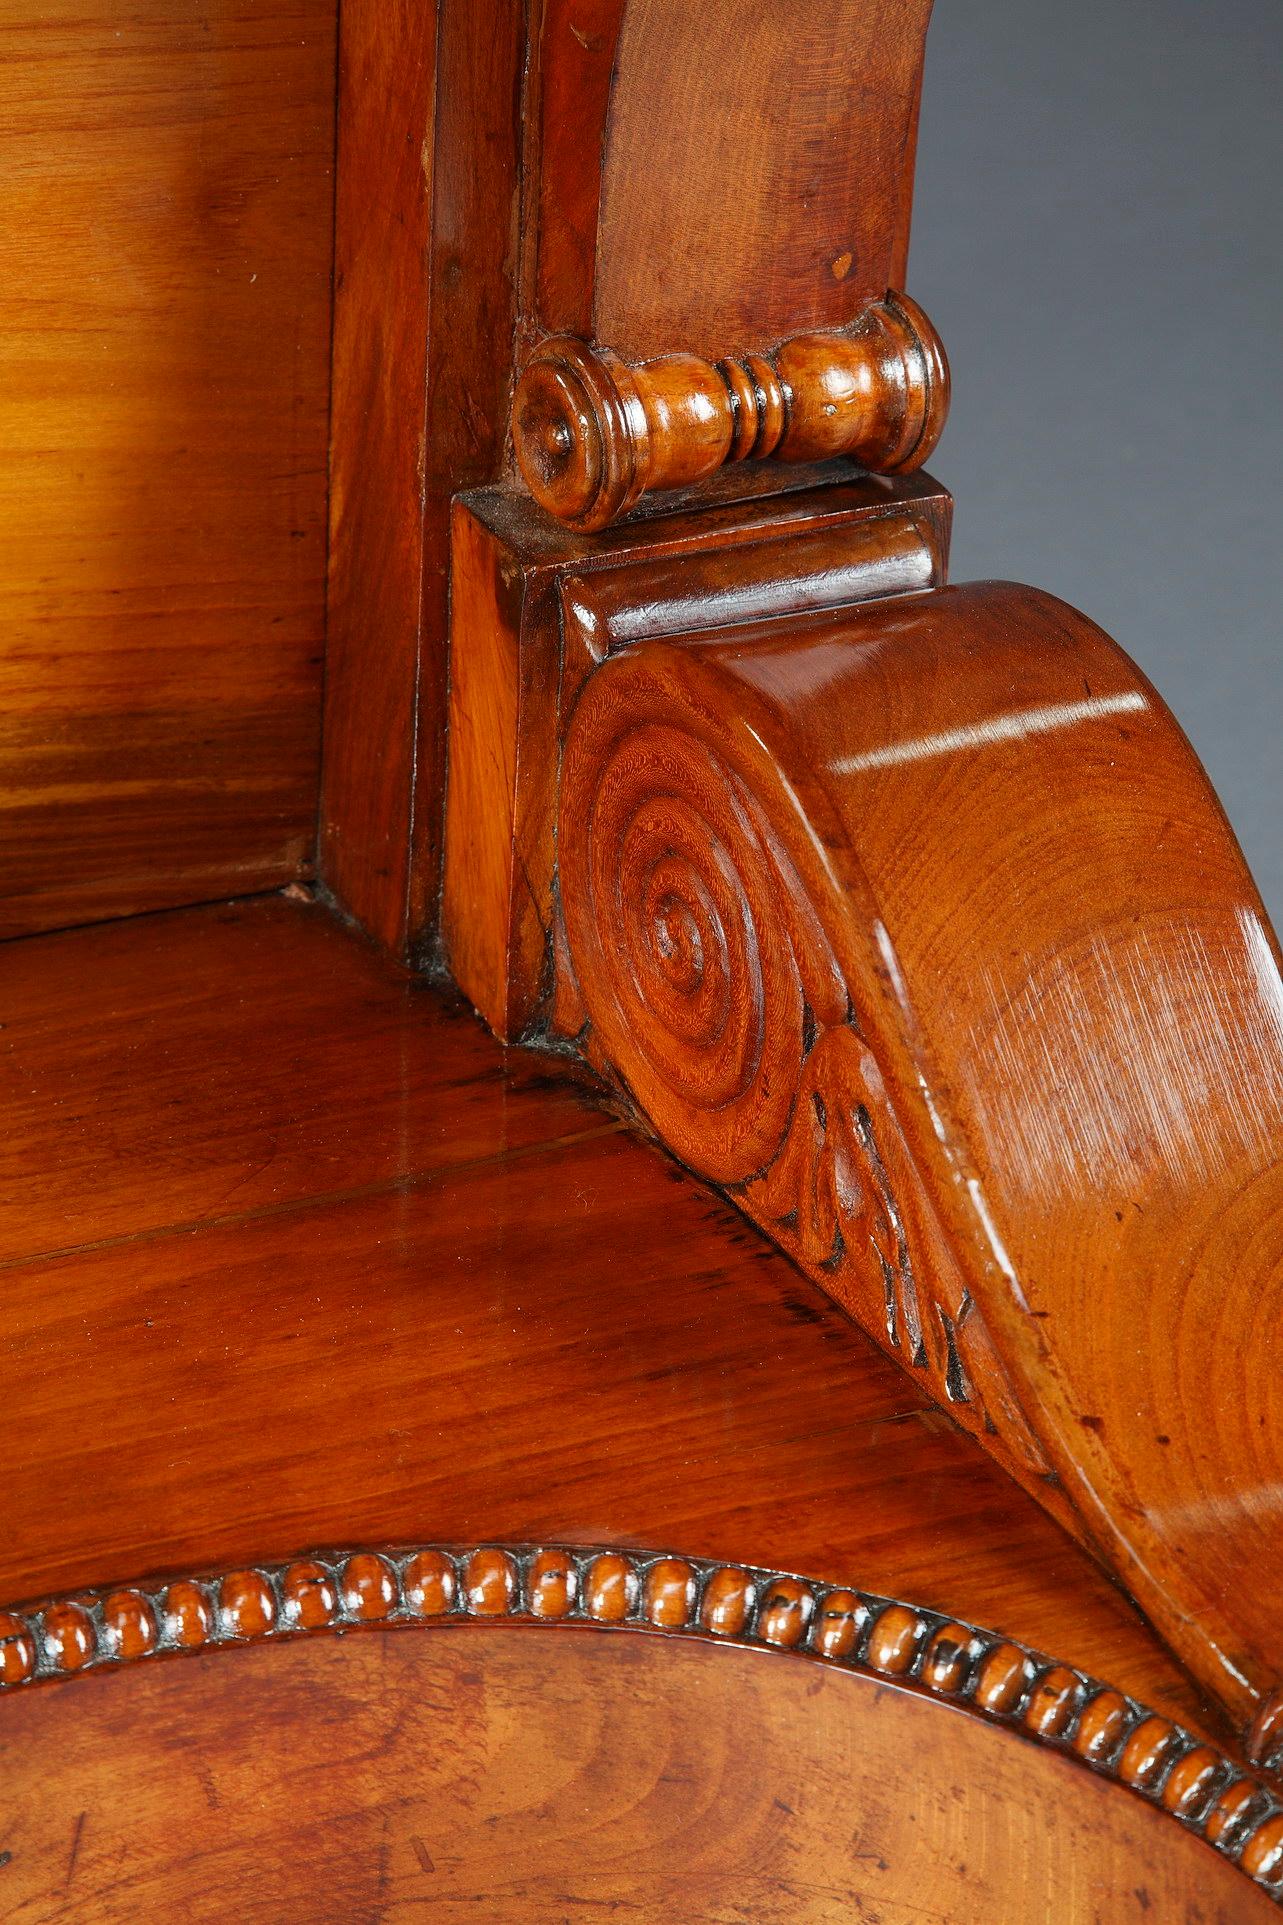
642	1223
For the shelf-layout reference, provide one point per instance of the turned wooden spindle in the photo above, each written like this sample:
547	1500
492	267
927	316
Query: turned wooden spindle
593	434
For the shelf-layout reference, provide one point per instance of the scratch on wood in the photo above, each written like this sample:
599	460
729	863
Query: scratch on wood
423	1855
75	1850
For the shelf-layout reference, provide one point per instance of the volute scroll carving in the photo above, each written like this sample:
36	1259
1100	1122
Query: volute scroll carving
709	971
592	434
884	918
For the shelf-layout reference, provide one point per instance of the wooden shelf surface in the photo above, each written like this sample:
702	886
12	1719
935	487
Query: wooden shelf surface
294	1255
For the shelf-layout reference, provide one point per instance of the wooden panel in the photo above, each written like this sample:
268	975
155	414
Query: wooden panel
261	1294
758	169
426	265
164	322
549	1774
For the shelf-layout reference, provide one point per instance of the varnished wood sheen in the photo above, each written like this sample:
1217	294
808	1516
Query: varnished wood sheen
547	1773
408	1468
592	435
430	134
261	1296
956	1666
921	930
164	323
535	607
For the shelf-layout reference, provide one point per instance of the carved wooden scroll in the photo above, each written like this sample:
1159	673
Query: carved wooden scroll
592	434
919	930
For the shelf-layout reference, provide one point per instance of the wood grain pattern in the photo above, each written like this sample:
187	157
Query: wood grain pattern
430	135
953	1665
535	607
921	930
550	1773
592	434
758	170
167	191
261	1295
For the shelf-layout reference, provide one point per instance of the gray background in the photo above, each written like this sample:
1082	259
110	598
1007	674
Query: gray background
1097	236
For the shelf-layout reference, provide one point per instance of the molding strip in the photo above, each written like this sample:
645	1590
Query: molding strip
976	1671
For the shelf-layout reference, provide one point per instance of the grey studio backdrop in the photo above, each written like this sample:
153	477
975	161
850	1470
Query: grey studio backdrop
1098	238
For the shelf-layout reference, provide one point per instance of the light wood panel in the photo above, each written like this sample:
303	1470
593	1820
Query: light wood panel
552	1773
165	250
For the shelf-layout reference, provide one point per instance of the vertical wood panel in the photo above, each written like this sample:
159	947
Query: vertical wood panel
429	115
165	240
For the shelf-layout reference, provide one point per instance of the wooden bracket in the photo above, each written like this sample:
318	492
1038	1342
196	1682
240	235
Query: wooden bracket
918	929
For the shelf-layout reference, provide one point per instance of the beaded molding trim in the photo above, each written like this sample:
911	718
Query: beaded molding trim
977	1670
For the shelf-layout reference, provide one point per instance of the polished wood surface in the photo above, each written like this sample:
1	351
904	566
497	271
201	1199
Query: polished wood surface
535	607
429	135
920	929
1081	1851
164	314
757	169
523	179
592	435
548	1773
262	1295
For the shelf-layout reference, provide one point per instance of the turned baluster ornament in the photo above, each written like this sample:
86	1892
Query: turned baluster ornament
593	434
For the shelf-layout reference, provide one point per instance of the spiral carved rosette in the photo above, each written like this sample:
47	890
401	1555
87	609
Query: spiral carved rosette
716	994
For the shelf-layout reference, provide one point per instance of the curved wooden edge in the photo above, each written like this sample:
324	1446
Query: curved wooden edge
976	1671
918	929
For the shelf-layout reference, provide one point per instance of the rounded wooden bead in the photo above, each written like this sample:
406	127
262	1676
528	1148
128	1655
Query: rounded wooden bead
669	1592
1147	1750
490	1583
1101	1726
1231	1810
17	1649
1191	1780
1005	1675
894	1640
608	1591
310	1594
1262	1855
838	1624
130	1625
68	1634
1052	1703
728	1599
188	1617
429	1586
948	1660
785	1612
551	1584
369	1586
247	1605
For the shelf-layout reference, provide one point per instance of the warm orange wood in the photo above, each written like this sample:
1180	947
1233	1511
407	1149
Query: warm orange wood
261	1295
686	1707
757	172
164	313
386	93
921	930
534	608
426	267
592	435
541	225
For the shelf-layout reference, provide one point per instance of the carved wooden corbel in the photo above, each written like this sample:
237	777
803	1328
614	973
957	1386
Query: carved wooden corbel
918	929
